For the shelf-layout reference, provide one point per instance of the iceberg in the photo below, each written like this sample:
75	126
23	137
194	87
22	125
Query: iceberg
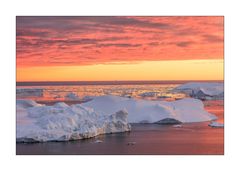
87	98
29	92
72	96
21	103
101	115
146	111
61	122
148	94
216	125
203	91
177	126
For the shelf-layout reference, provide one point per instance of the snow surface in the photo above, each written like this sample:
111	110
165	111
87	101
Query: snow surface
60	122
146	111
204	91
216	124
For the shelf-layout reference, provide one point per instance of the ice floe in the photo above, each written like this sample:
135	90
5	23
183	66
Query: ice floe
61	122
98	141
146	111
177	126
87	98
72	96
29	92
201	90
22	103
131	143
149	94
216	124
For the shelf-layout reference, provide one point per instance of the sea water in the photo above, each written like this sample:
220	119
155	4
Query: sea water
55	91
193	138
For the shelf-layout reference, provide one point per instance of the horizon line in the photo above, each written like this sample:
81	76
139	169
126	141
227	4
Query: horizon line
120	82
113	80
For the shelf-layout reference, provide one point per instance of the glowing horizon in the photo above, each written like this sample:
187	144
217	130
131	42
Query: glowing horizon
119	48
190	70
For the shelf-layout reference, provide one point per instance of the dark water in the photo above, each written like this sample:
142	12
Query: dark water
193	138
196	138
139	82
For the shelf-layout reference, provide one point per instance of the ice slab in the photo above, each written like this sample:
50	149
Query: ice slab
146	111
29	92
72	96
216	124
61	122
203	91
149	94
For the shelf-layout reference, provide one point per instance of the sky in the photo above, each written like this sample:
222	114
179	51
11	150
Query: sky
119	48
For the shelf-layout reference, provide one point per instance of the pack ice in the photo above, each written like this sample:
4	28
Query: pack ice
203	91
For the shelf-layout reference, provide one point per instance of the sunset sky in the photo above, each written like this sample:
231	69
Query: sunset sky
119	48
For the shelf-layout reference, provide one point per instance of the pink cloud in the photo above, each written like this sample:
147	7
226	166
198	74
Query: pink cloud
55	41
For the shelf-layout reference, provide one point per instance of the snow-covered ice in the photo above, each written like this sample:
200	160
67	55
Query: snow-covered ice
216	124
146	111
149	94
177	126
103	114
72	96
200	90
131	143
21	103
87	98
98	141
61	122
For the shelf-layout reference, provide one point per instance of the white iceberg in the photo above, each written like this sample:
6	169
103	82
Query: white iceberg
72	96
203	91
149	94
87	98
177	126
98	141
21	103
146	111
61	122
103	114
216	125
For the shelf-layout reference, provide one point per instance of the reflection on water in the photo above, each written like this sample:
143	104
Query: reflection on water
196	138
157	91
